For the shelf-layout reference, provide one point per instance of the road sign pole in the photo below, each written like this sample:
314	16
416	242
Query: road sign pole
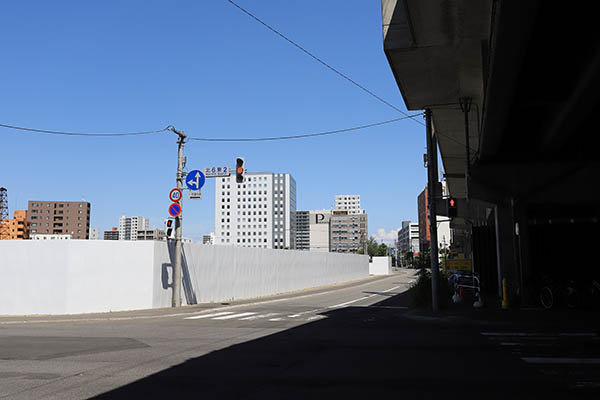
176	301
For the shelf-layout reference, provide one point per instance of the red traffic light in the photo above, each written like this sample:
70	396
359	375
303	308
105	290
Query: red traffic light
452	203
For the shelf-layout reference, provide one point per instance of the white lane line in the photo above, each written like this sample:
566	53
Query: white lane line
210	315
258	316
315	317
304	312
276	319
235	315
362	298
560	360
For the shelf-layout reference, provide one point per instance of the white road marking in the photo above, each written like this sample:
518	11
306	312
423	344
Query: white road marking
235	315
276	319
560	360
315	317
304	312
210	315
362	298
258	316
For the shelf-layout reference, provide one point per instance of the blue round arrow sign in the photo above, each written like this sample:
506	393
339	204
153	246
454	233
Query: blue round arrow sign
174	209
195	179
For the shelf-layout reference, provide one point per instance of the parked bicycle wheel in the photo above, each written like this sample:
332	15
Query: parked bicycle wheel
547	297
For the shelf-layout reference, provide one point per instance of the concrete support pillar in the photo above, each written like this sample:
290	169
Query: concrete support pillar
506	250
527	279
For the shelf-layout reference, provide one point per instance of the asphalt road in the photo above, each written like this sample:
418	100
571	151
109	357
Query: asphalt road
347	341
85	355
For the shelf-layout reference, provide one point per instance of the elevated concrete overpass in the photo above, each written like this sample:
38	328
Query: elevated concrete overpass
531	70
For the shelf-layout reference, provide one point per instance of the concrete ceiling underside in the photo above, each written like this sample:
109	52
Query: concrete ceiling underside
436	50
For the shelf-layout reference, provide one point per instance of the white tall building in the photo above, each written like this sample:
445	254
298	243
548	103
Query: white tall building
260	212
408	237
312	230
350	202
129	227
94	234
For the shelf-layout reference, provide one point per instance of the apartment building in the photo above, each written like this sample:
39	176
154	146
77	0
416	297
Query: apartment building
113	234
408	237
129	227
260	212
349	202
151	234
16	228
348	231
59	218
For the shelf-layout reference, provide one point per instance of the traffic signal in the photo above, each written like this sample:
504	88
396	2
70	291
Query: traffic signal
452	207
170	228
239	170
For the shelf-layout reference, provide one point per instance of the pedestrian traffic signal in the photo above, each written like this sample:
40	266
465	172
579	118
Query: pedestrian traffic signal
452	209
170	228
239	170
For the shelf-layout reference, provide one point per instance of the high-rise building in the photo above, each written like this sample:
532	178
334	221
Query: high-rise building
349	231
349	202
302	230
312	230
129	226
16	228
113	234
259	212
408	237
59	218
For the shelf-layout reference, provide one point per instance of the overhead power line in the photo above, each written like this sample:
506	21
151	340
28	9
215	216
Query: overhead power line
304	135
320	61
20	128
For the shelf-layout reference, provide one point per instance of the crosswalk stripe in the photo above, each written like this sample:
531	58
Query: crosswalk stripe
258	316
209	315
235	315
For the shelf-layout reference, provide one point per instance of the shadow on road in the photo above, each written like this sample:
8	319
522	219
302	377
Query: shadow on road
354	352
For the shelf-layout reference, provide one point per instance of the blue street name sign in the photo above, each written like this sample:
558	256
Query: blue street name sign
195	179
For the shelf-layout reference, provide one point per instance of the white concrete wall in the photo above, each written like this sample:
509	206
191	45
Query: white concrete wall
222	273
381	266
79	276
74	276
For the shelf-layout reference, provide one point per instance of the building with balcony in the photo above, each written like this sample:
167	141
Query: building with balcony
59	218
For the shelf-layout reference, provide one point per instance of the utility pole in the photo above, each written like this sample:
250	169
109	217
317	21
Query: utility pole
465	106
432	193
176	301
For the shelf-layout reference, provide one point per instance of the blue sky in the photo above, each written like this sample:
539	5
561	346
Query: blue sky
212	71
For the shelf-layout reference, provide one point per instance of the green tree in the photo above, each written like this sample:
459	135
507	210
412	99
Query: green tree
382	250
